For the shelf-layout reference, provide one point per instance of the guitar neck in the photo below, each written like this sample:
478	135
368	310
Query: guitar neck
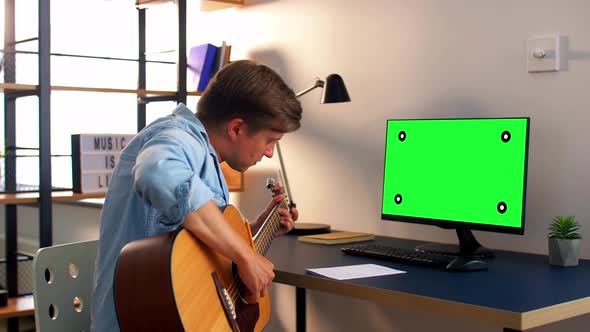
265	235
262	241
263	238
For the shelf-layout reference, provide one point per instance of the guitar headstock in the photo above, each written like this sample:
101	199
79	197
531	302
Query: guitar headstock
274	187
277	189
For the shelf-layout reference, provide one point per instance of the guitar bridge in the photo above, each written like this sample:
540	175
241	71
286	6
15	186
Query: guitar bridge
226	302
229	303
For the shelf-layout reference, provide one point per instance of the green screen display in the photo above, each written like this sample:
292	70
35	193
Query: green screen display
456	170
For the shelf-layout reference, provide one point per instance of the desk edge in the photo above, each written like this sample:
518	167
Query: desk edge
497	317
555	313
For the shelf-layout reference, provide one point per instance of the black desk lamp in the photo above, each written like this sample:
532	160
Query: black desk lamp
334	92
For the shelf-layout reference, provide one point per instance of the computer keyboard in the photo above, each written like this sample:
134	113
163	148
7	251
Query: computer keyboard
402	255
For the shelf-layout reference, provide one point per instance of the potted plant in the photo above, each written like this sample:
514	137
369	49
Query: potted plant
564	241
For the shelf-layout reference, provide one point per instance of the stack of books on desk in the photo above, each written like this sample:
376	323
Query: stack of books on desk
337	237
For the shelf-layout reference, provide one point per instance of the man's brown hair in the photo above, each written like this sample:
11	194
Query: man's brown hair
252	92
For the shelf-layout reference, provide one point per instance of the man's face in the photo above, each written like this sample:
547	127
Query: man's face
250	148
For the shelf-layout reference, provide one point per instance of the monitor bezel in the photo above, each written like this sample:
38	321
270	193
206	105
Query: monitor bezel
455	223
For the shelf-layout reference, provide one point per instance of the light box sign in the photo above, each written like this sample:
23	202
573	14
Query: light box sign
94	157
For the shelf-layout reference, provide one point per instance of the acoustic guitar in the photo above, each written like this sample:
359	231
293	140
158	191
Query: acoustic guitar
174	282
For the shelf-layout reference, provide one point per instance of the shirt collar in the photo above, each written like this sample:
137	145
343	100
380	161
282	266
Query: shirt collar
184	112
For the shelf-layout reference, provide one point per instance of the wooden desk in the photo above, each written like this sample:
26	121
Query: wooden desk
18	307
518	292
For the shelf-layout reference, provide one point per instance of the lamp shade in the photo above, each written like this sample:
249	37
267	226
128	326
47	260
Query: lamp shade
334	90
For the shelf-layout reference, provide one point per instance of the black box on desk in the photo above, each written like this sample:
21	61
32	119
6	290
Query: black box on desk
24	263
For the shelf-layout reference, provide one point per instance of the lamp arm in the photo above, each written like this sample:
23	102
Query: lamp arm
318	84
283	174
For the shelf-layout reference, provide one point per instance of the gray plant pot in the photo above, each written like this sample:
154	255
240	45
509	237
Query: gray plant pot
564	252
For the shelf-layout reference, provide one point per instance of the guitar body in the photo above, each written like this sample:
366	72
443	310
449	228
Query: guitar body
167	283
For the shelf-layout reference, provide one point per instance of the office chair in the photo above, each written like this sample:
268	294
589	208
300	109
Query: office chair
63	280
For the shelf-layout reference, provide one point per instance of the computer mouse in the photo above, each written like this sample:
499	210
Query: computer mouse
463	263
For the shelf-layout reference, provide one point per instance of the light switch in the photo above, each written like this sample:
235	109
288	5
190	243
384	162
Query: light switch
542	54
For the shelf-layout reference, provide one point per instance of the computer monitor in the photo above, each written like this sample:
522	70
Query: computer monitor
457	173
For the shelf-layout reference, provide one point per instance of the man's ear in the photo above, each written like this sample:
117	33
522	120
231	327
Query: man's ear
235	127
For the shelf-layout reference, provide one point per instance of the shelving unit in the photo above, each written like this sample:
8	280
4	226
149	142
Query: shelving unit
233	178
23	305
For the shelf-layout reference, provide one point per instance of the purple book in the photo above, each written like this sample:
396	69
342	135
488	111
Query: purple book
200	64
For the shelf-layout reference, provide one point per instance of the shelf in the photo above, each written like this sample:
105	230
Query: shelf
234	179
112	90
210	5
18	307
206	5
12	87
57	196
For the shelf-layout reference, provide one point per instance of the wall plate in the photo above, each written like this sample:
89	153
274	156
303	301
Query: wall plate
542	54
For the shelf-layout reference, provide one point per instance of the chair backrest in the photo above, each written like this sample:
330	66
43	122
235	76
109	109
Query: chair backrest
63	280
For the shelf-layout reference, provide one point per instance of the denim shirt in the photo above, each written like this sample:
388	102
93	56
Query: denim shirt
166	171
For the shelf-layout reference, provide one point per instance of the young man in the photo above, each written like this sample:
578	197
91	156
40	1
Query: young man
169	176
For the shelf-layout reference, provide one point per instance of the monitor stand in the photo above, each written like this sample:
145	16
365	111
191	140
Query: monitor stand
468	246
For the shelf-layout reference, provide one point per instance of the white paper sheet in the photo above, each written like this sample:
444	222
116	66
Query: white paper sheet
354	271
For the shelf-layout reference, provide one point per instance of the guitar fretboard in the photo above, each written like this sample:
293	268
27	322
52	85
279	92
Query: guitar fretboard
269	228
262	242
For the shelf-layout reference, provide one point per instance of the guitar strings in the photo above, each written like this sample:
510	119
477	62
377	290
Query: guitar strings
237	286
271	231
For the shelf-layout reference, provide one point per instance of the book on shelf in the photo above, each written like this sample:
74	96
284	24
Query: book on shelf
205	61
201	64
227	55
222	57
337	237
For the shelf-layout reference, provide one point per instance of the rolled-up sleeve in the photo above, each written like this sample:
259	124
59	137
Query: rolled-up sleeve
166	179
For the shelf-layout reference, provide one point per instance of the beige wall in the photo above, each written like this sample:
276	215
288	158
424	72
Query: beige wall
415	59
403	59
